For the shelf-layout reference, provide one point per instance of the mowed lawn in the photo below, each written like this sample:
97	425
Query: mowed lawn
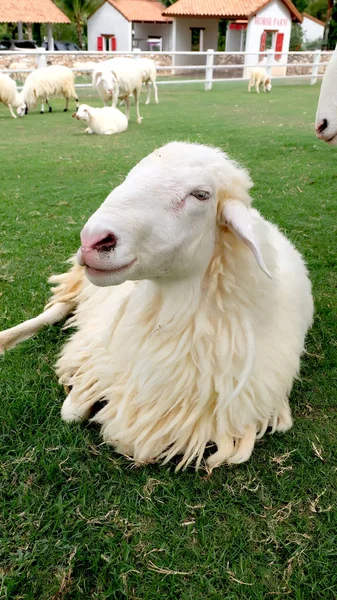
78	520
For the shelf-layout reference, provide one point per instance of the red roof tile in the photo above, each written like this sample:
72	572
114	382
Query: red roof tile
141	11
223	9
31	11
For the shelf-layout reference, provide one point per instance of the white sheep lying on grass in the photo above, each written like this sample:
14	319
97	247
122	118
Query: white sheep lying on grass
43	83
191	312
10	96
106	120
258	76
118	78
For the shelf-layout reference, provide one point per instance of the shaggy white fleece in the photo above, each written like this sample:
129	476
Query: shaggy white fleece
206	351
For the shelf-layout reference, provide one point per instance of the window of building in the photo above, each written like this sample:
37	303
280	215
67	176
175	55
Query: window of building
197	38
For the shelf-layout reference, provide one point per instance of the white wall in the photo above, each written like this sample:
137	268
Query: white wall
181	37
311	31
108	20
145	30
273	17
235	40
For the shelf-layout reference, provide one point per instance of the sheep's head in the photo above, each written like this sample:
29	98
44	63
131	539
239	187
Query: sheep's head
268	85
163	221
326	116
21	109
105	78
82	113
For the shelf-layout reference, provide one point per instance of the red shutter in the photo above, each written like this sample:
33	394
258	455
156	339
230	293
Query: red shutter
279	45
100	43
113	44
263	41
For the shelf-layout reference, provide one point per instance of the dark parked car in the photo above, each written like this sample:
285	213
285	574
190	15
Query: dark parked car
62	46
18	45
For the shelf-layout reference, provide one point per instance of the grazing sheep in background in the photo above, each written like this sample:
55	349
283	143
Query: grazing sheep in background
118	78
43	83
106	120
149	74
84	69
19	75
10	96
326	116
258	76
191	318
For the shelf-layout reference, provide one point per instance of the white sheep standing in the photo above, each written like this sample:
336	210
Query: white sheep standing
258	76
118	78
149	75
191	312
105	121
10	96
326	116
43	83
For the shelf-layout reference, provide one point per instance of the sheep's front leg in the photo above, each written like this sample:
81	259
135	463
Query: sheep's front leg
11	337
136	94
148	92
115	95
42	108
155	92
127	107
11	111
73	410
49	107
258	87
67	105
88	130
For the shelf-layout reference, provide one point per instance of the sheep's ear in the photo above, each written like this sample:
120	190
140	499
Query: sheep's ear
114	76
97	78
236	216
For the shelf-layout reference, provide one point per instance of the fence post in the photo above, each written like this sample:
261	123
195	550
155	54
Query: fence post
269	62
41	58
209	69
317	59
136	52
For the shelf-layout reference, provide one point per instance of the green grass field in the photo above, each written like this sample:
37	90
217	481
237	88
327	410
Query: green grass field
78	521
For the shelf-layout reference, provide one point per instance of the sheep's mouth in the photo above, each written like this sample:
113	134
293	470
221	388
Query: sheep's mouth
332	140
94	272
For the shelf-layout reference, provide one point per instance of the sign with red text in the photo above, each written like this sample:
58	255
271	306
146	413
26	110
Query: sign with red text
272	21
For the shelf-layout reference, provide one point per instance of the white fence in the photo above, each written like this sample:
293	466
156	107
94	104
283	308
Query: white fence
211	64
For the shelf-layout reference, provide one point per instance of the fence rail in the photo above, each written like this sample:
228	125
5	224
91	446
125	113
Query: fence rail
172	66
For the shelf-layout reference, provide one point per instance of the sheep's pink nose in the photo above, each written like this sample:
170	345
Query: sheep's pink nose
321	126
101	244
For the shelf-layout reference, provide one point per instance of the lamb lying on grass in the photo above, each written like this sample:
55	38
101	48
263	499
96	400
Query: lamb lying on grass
104	121
191	312
259	76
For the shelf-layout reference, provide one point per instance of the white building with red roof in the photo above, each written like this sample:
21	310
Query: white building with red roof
255	26
313	29
128	24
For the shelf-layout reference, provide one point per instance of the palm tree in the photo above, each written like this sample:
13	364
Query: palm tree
78	11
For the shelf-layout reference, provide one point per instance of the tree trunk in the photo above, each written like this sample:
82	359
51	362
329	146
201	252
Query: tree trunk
327	25
79	33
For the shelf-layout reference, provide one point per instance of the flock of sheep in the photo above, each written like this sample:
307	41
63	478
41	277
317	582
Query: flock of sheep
190	309
117	78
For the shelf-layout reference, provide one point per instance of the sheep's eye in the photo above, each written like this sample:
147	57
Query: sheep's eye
201	195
